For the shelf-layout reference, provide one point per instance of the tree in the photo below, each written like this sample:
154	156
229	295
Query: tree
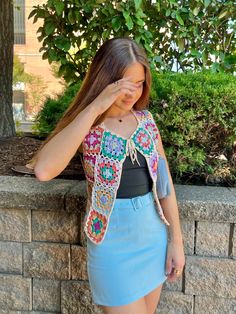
7	126
196	33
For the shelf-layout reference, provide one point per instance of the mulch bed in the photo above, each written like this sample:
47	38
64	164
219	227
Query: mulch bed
16	151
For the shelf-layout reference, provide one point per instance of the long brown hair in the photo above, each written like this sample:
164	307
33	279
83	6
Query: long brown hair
108	65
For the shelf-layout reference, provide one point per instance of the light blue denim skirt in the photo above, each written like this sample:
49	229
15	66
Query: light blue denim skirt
130	262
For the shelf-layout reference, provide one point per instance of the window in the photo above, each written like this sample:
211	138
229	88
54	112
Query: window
19	22
18	105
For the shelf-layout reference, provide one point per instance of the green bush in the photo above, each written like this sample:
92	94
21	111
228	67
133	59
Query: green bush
196	115
53	110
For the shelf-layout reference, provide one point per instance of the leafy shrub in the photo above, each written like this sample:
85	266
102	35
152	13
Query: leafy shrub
196	115
53	110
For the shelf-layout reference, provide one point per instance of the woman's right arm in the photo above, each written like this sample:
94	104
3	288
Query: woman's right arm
57	153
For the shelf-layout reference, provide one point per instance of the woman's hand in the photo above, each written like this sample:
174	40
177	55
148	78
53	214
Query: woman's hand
111	92
175	260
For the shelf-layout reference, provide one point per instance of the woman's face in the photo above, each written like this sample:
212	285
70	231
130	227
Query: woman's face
137	75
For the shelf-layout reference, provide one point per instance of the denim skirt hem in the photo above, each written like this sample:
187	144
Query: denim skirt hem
130	262
133	298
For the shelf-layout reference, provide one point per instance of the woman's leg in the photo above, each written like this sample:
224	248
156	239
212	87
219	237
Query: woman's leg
137	307
152	299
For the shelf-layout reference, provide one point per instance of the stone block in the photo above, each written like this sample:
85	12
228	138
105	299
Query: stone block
47	260
214	305
83	236
176	285
210	276
76	298
175	303
75	199
30	193
15	225
187	227
206	203
212	238
11	257
26	312
79	262
15	292
234	243
46	295
55	226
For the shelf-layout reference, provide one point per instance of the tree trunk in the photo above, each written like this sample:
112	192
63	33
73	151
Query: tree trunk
7	126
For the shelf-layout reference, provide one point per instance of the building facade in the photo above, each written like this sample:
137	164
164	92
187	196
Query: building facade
29	97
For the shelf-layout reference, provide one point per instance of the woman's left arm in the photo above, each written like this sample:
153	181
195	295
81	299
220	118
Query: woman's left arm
175	254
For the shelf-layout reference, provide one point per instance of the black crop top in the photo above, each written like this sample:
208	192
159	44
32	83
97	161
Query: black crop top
135	180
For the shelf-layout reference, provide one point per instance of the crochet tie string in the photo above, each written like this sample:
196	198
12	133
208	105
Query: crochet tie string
131	151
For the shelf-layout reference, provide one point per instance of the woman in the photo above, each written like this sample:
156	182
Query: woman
128	253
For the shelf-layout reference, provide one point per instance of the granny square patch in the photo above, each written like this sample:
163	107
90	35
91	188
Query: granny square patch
91	142
142	114
150	126
96	224
153	165
89	164
107	171
113	146
103	199
143	141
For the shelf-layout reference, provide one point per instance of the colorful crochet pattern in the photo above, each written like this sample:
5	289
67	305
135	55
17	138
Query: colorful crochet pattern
104	153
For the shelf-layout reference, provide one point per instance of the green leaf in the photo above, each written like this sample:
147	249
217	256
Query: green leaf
168	12
49	27
94	37
206	3
140	22
179	19
204	57
116	24
59	6
147	47
40	38
71	17
137	4
195	53
181	43
40	30
32	13
62	43
52	55
140	13
129	23
125	14
105	11
222	14
196	11
45	55
230	59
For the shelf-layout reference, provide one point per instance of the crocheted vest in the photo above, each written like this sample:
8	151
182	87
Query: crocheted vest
103	155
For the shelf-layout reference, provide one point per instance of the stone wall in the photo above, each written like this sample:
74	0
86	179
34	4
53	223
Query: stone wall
43	249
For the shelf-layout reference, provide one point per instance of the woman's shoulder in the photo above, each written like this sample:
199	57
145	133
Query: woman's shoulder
144	114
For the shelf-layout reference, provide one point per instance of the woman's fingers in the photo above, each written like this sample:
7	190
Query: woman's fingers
124	86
